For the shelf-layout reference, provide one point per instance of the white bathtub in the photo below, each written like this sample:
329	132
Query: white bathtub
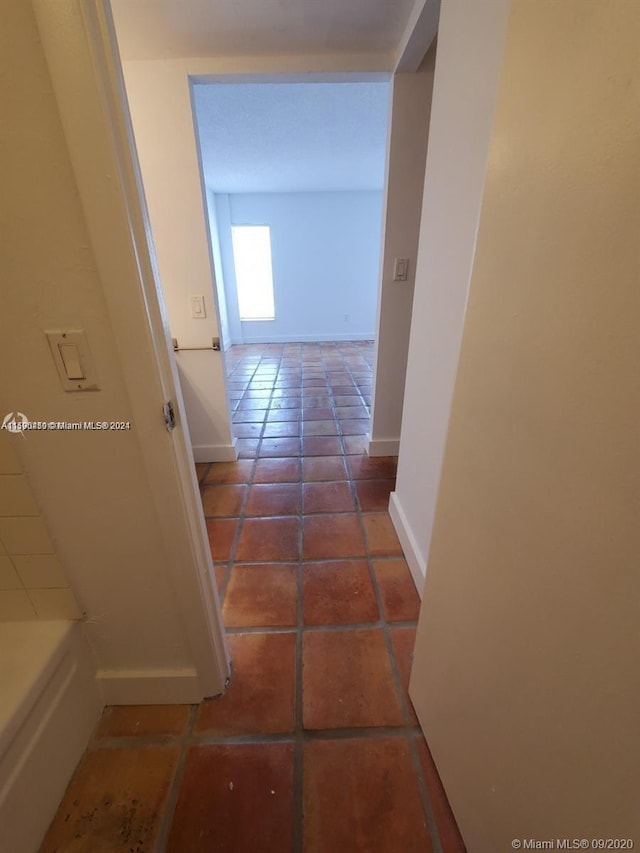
49	705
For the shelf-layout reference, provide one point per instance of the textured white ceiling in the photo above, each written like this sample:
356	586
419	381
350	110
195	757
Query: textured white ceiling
165	29
292	137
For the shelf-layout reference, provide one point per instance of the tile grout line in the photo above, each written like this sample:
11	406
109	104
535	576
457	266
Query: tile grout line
408	728
294	514
222	591
432	825
297	818
384	558
243	508
300	732
359	391
314	629
400	693
298	770
228	564
211	739
176	783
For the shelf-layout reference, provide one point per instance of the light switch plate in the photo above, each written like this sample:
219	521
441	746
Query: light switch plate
400	269
198	309
72	358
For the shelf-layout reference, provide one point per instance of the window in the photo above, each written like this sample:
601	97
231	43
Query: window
254	280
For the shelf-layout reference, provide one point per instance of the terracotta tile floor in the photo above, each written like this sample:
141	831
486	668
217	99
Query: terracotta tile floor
315	746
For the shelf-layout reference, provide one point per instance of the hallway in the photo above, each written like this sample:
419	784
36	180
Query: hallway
315	745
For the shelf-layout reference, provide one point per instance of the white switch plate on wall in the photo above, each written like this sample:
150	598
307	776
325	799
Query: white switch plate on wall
400	269
198	309
73	361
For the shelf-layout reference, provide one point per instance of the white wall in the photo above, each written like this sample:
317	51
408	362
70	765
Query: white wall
221	208
93	489
162	116
526	665
469	57
406	158
218	273
325	251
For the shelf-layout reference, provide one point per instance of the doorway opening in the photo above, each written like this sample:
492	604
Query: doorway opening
296	168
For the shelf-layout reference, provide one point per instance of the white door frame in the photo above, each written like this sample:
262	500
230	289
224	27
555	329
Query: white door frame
81	50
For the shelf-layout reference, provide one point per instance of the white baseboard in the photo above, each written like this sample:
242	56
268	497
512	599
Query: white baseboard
149	686
415	560
383	446
53	726
298	339
215	452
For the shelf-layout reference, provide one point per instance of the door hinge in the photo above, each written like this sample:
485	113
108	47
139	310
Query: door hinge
169	416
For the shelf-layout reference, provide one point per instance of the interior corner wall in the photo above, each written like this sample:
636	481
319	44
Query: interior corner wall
525	673
325	250
160	104
468	61
406	158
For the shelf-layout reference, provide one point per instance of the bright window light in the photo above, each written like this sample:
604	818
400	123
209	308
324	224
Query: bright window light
254	279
